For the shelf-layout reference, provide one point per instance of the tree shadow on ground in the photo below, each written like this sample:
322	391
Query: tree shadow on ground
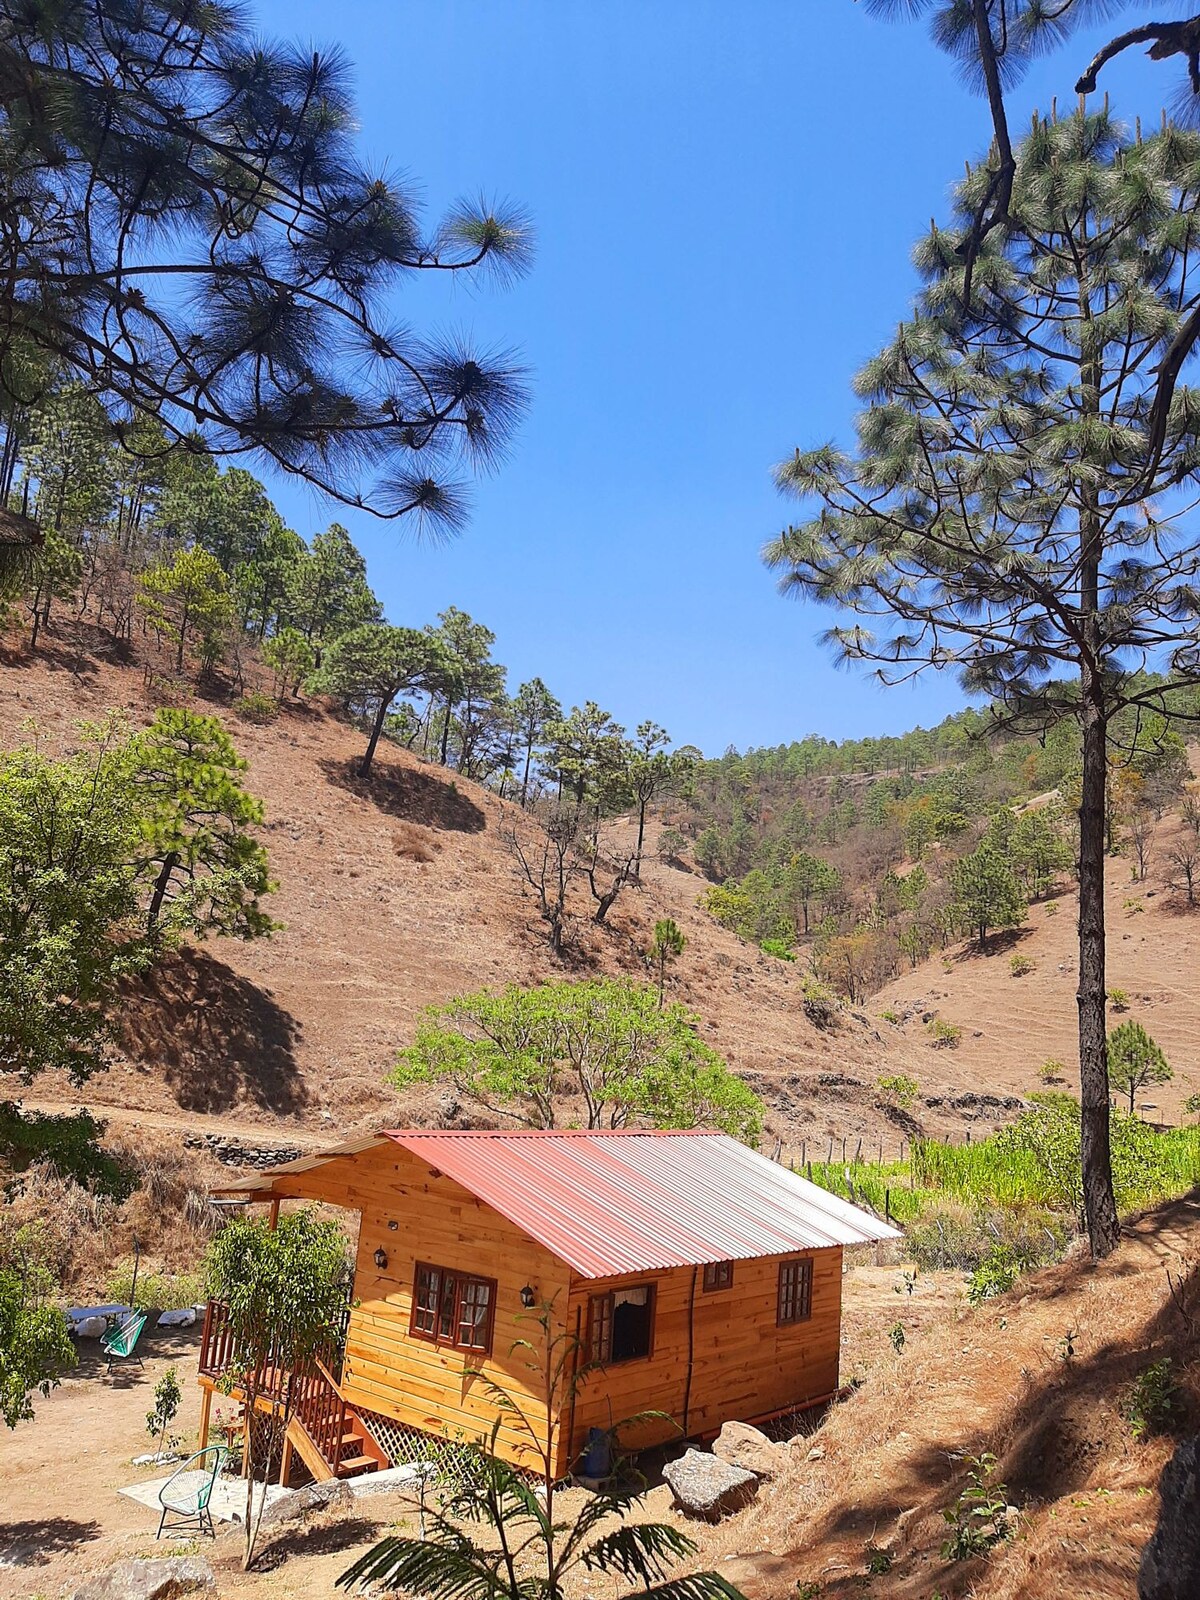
409	793
37	1541
319	1540
998	943
219	1039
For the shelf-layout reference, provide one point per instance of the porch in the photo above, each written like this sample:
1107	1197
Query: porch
322	1428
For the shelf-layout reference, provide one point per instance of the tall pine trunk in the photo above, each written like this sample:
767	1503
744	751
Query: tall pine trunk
1099	1202
364	769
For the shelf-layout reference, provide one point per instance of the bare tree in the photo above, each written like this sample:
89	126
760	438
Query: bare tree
546	861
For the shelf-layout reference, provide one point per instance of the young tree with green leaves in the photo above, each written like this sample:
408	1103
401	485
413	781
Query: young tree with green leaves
534	708
586	752
807	880
1007	511
367	668
199	858
1135	1060
291	658
35	1344
530	1548
669	943
652	771
220	258
524	1054
986	893
285	1292
54	574
70	922
185	595
472	682
327	592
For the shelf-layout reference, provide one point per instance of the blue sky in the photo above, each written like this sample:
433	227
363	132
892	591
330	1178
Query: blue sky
724	196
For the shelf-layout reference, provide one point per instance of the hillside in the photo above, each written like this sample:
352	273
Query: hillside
396	895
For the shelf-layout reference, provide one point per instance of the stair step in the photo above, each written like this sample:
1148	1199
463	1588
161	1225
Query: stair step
352	1465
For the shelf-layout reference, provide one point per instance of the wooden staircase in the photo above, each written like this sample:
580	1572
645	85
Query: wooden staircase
326	1433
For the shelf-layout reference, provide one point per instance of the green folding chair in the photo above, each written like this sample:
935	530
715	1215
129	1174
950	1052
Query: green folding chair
186	1494
120	1344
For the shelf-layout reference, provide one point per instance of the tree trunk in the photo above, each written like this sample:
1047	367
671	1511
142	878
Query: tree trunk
637	871
364	769
446	731
1099	1202
161	884
525	774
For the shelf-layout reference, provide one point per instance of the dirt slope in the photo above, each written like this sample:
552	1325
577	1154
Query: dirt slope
395	895
1012	1025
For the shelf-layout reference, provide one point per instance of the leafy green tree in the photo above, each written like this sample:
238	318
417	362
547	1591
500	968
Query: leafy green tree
35	1344
70	928
1135	1061
204	868
652	771
986	893
55	573
807	880
525	1054
367	668
221	259
986	515
290	657
472	681
327	589
586	752
285	1292
1039	849
534	707
530	1547
263	581
668	946
184	595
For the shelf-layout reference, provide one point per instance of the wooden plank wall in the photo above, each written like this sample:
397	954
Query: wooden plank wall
420	1384
742	1364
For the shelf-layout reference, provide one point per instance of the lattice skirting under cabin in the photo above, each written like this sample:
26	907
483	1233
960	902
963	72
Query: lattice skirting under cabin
406	1446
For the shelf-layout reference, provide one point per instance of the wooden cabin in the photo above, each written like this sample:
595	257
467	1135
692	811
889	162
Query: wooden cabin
702	1279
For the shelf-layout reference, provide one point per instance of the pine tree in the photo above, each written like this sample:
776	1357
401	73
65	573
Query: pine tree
1007	512
367	668
1134	1060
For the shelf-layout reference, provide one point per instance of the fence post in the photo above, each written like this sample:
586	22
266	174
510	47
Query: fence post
829	1157
803	1151
810	1172
843	1152
887	1205
858	1153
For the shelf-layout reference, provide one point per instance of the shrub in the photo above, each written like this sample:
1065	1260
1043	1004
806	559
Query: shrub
1052	1070
898	1090
254	706
671	845
69	1145
168	1397
1192	1105
819	1004
164	1291
943	1035
1051	908
999	1270
779	948
891	1016
1118	999
1152	1400
1020	966
979	1519
898	1337
411	842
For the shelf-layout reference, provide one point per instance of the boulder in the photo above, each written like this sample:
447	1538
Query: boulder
705	1486
163	1578
744	1446
1170	1568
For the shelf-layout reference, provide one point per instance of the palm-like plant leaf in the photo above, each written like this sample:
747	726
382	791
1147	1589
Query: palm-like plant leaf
645	1550
441	1571
694	1586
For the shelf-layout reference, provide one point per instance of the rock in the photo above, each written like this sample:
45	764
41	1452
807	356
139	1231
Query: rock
162	1578
331	1493
817	1453
1170	1568
705	1486
746	1447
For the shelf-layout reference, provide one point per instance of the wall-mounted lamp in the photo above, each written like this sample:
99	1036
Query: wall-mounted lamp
529	1297
381	1258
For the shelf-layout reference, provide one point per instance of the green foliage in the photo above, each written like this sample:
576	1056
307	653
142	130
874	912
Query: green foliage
284	1289
1152	1401
779	948
203	867
291	658
897	1336
1135	1061
69	923
168	1397
669	944
1052	1071
185	596
1192	1105
69	1143
1020	966
986	891
819	1003
943	1035
999	1270
35	1344
158	1291
1118	999
368	667
327	589
256	707
898	1089
520	1053
979	1519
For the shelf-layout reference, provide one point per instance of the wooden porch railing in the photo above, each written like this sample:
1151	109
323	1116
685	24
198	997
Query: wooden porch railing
218	1351
318	1406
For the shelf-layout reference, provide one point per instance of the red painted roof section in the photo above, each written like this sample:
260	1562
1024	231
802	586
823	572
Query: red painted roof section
631	1201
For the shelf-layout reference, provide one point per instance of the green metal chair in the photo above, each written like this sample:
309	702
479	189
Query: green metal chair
120	1344
186	1494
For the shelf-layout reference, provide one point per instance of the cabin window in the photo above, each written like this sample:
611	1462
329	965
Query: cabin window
795	1291
452	1308
718	1275
621	1324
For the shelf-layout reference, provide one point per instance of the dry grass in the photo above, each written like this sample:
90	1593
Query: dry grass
1038	1378
411	842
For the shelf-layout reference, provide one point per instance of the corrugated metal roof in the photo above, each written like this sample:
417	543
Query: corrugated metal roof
632	1201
